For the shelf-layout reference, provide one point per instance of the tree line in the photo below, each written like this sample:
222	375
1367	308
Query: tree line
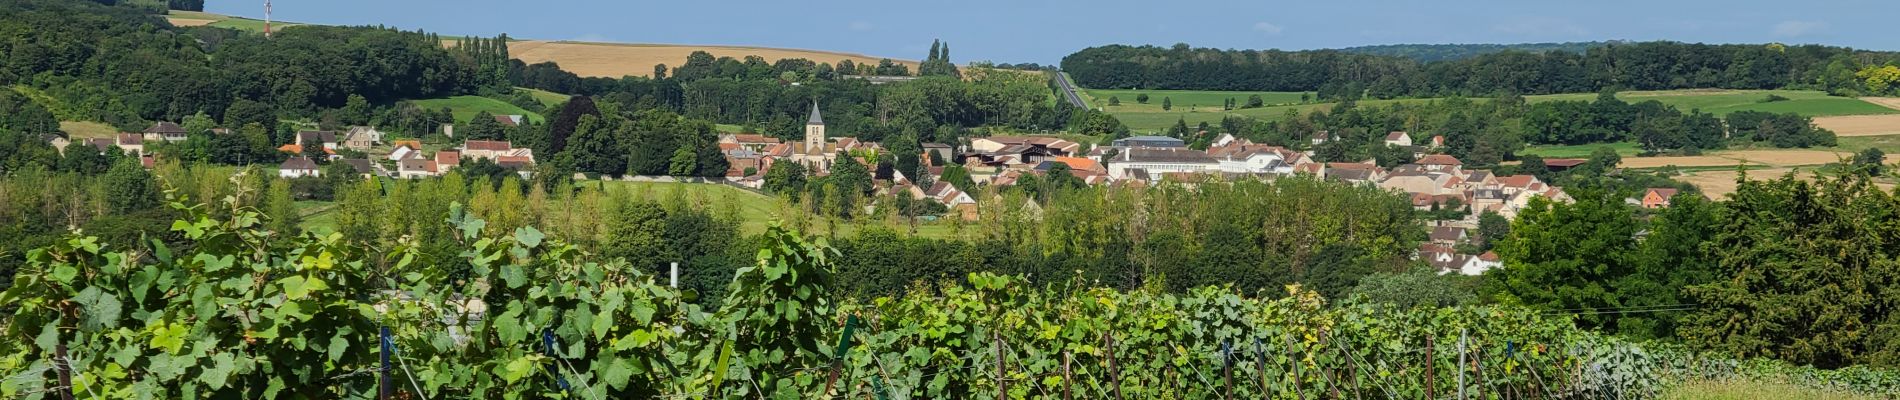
1337	74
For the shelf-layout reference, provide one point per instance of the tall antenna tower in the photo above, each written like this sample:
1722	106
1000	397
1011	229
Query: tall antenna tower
267	18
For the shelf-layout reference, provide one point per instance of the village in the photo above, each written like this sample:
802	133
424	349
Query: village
1433	182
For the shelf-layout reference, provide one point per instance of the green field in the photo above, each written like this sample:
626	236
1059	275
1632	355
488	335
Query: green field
547	98
238	23
728	128
1888	143
1722	102
1157	120
1182	98
317	215
1625	149
465	107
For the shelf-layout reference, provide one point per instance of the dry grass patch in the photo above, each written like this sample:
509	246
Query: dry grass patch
184	22
617	60
87	130
1862	125
1888	102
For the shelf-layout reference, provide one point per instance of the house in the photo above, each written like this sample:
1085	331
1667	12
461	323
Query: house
956	201
1441	163
1448	236
753	142
494	150
1398	139
943	151
362	166
1322	137
1161	160
405	151
509	120
362	138
415	168
1438	141
448	130
1347	172
165	131
1081	164
327	139
298	167
1240	158
1658	197
816	151
57	141
101	144
1477	265
1134	142
447	160
131	143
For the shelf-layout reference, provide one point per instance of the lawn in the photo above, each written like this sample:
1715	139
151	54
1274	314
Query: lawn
318	216
756	210
1722	102
728	128
1625	149
547	98
465	107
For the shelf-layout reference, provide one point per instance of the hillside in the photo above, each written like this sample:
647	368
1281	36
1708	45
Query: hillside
613	60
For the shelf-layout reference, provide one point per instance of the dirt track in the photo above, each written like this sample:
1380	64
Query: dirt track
184	22
617	60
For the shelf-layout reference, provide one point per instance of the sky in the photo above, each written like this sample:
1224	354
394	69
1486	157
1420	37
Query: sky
1043	31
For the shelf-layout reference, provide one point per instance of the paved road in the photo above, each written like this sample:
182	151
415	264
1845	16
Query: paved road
1068	89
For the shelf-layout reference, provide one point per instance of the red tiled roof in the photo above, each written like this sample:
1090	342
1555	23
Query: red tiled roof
1439	159
488	145
449	158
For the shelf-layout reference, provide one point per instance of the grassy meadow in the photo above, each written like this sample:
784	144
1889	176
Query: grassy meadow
547	98
465	107
1722	102
194	18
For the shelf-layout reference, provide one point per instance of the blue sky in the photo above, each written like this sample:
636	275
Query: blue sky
1044	31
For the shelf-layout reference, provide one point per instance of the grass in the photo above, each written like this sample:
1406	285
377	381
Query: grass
1625	149
226	21
465	107
1183	98
1722	102
1889	143
87	130
1739	389
1155	120
547	98
317	215
728	128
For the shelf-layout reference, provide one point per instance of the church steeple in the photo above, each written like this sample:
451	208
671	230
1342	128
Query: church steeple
815	131
815	118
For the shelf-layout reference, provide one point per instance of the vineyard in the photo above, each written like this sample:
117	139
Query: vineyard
223	308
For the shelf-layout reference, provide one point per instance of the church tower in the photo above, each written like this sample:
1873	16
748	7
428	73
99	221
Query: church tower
815	132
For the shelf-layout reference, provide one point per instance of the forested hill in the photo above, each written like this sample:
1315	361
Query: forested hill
1450	52
1338	73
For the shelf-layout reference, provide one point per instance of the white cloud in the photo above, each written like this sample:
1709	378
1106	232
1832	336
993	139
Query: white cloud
1268	27
861	26
1540	27
1798	28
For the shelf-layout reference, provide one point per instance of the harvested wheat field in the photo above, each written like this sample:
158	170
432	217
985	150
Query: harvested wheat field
614	60
1889	102
1767	157
1720	184
1861	125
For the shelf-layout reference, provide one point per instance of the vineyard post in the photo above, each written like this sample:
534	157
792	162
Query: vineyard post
1332	372
1114	373
1260	364
1297	383
65	371
1002	388
1477	369
1461	364
383	390
1068	378
1227	367
1430	390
